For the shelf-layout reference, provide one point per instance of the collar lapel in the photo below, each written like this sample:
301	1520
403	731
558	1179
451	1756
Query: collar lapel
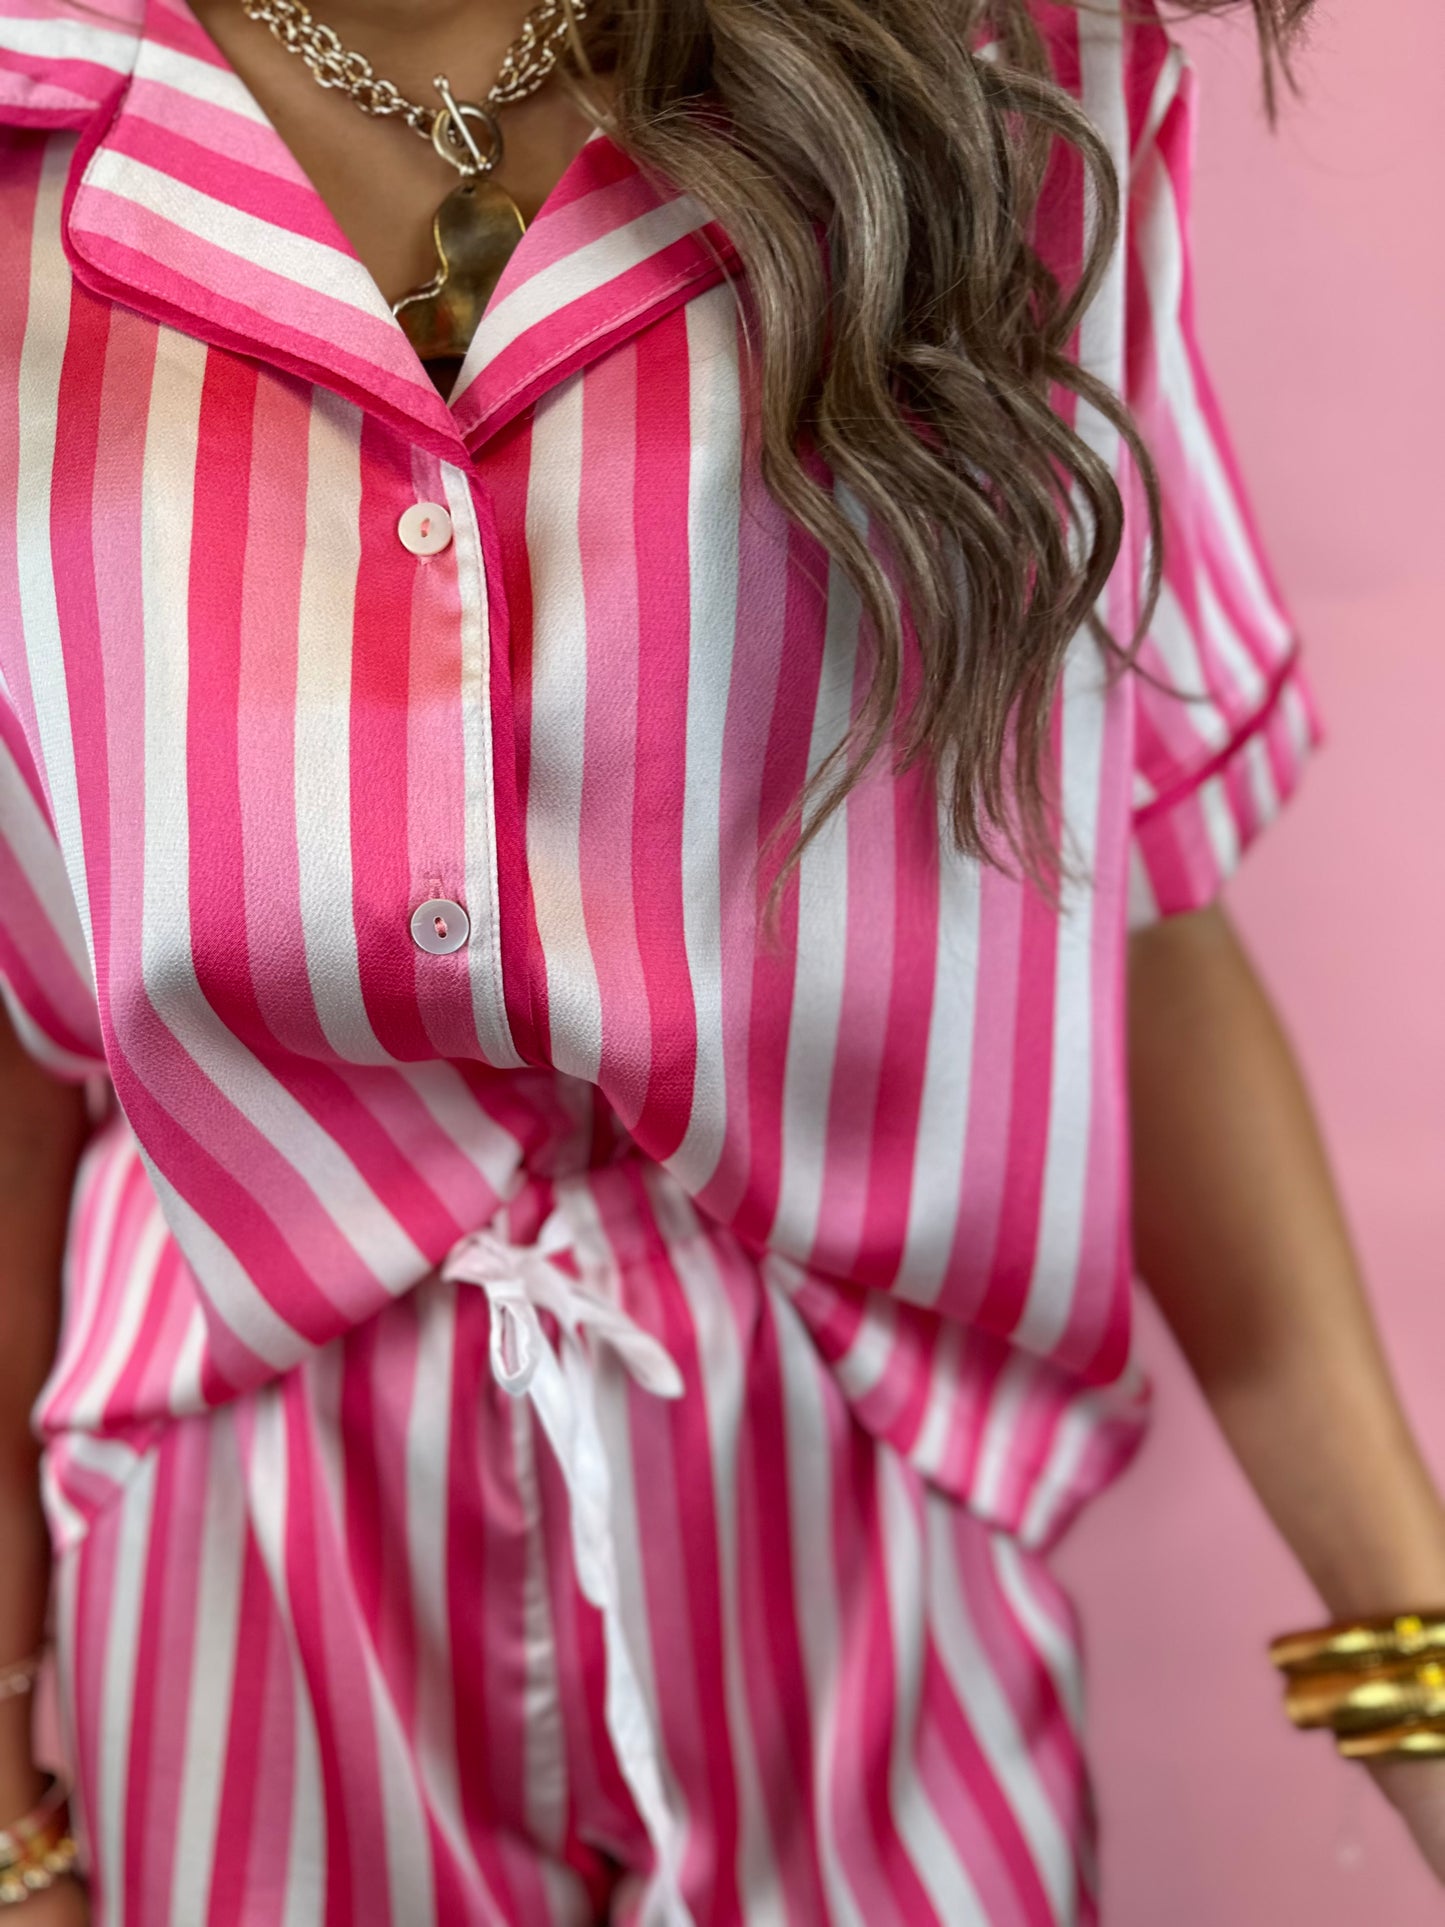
186	203
610	252
56	71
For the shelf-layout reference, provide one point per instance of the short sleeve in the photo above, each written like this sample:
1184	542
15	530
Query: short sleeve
1215	762
45	975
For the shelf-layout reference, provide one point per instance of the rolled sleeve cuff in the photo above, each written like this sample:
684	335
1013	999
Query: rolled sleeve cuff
1190	839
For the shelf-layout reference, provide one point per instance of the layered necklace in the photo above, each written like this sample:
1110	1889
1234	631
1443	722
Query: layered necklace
478	225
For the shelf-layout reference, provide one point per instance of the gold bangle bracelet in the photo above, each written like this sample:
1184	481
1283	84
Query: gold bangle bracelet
1362	1642
41	1869
1356	1701
1377	1684
1420	1740
19	1839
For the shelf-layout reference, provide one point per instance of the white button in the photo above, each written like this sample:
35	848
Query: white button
439	925
425	528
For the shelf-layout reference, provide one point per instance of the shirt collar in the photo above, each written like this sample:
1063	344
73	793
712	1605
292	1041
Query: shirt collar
185	203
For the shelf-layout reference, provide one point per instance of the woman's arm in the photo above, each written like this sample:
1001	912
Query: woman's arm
1241	1239
43	1127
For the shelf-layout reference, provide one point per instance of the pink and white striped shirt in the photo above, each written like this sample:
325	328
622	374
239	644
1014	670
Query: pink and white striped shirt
249	726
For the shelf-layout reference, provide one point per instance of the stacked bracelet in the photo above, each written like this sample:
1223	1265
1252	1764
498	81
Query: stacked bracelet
1377	1684
39	1849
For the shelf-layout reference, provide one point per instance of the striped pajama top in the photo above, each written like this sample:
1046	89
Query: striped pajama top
293	651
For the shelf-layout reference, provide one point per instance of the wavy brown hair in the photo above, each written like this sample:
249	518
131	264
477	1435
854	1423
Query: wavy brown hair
919	352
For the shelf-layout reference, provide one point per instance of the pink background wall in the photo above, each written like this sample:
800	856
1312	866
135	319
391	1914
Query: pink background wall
1322	281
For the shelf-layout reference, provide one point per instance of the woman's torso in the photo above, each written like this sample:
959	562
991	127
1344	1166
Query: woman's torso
254	730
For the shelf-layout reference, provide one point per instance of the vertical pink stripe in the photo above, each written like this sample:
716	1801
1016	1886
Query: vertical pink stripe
502	513
485	1578
770	1603
756	1069
89	1687
663	441
673	1483
21	161
884	1881
251	1820
609	543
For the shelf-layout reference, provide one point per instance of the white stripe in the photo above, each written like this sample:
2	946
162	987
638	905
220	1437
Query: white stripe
1171	635
213	1672
406	1861
810	1466
713	503
931	1852
122	1640
28	836
822	942
1221	826
41	354
330	565
1084	697
86	1265
306	1849
994	1459
991	1717
1259	776
230	1288
66	1522
559	717
1143	904
199	80
544	1738
941	1411
102	1460
693	1259
184	1392
131	1294
429	1454
1072	1073
474	693
580	272
612	1404
1048	1639
488	1146
267	1488
859	1369
229	234
42	39
1161	243
1054	1480
936	1193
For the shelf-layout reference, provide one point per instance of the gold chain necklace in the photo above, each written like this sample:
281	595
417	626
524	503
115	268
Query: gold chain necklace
478	225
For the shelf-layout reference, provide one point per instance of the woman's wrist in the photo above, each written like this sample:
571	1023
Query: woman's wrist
22	1779
22	1782
1393	1563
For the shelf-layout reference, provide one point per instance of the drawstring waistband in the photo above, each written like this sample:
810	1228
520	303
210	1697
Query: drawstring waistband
520	1280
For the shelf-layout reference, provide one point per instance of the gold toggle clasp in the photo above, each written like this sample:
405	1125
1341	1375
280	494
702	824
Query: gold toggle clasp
453	139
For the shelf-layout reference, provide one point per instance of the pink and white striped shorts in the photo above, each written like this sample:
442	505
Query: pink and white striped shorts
567	1590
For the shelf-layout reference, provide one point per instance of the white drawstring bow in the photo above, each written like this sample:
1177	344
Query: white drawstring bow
520	1280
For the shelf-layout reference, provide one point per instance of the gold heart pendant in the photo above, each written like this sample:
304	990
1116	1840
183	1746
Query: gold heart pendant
476	230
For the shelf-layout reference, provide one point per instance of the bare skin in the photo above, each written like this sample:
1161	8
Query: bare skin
43	1126
1239	1230
379	179
1240	1235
